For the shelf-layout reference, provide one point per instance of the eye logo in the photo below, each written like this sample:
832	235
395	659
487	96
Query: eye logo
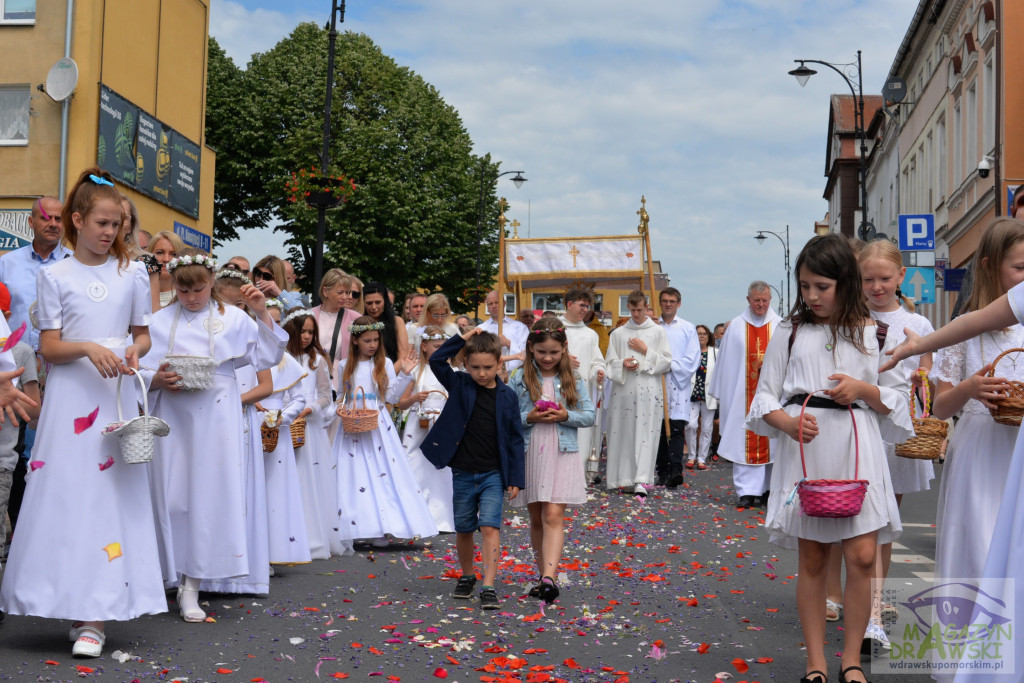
963	612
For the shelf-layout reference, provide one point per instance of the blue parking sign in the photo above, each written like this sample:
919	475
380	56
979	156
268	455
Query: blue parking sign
917	232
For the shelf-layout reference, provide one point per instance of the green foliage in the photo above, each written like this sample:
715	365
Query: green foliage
412	222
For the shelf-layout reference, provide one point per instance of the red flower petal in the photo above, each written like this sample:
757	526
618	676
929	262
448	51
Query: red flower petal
83	423
14	338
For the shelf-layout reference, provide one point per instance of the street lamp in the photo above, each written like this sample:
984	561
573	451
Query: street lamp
518	181
761	236
779	292
853	76
337	8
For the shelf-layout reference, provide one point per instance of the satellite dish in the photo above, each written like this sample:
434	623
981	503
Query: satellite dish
62	79
894	90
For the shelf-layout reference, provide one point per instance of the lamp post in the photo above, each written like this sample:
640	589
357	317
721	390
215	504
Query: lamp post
850	73
761	236
518	180
779	292
337	8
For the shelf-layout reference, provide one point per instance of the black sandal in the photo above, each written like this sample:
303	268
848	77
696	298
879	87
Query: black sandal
548	591
842	674
534	592
819	677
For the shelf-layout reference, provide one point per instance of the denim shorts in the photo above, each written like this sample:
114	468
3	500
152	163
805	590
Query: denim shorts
476	498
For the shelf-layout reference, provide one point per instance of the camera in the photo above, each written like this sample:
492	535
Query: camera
985	166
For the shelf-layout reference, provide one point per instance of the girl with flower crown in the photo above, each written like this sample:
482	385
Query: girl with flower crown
377	492
198	474
426	398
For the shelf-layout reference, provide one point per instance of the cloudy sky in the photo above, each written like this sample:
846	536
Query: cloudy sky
687	102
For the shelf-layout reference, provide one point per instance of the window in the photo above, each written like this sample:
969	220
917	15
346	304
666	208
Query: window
971	157
929	161
940	135
958	142
598	304
989	110
547	301
17	11
510	304
14	114
624	305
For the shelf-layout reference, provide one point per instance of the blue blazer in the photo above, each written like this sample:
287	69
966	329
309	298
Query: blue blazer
442	440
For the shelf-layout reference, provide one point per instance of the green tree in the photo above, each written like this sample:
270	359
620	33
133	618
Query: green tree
412	222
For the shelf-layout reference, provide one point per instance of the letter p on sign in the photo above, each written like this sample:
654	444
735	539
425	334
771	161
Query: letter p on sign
917	232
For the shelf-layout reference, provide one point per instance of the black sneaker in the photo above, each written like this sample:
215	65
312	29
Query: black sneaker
675	480
464	588
489	599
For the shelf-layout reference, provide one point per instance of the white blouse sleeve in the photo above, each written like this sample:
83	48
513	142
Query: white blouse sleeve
142	301
49	312
768	397
950	364
893	392
323	390
294	402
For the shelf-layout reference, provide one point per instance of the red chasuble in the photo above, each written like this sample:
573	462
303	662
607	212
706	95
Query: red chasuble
756	447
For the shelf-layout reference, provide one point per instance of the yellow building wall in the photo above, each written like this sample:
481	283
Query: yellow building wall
150	52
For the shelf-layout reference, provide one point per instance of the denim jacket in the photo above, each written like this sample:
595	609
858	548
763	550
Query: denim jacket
581	416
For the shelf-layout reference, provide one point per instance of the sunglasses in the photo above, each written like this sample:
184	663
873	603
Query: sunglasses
355	294
262	275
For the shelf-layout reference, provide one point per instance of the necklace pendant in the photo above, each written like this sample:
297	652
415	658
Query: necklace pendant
828	346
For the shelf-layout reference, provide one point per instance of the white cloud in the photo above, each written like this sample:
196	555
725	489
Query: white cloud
688	103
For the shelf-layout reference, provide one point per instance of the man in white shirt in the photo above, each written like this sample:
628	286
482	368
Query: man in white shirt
513	333
415	305
682	339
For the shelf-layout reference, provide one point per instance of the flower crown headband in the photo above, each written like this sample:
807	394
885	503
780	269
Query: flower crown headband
275	303
440	336
197	260
301	313
359	329
547	329
238	275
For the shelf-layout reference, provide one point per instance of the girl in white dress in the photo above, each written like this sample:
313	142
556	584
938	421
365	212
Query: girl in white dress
835	347
86	547
313	457
254	386
198	476
555	474
377	493
978	456
425	398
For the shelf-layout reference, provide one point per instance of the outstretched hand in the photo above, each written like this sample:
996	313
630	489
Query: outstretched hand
909	347
14	402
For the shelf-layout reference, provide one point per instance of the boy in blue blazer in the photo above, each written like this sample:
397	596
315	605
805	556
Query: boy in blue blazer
479	434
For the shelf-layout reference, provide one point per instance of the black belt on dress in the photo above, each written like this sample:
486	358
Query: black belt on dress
818	402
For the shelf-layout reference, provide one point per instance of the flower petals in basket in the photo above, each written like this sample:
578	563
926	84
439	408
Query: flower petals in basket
929	432
136	436
270	431
298	432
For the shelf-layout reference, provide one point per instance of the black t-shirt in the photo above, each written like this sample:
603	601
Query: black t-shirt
478	449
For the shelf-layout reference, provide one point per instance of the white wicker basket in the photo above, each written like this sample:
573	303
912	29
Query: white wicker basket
197	372
136	436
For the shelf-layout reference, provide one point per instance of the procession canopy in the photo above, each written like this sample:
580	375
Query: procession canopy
553	262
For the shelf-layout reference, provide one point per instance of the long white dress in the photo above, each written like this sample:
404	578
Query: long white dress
977	458
377	493
312	460
909	475
636	405
831	454
256	581
86	545
435	484
198	477
584	344
288	541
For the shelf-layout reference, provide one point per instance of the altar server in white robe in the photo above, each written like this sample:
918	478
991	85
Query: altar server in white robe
734	385
588	361
638	354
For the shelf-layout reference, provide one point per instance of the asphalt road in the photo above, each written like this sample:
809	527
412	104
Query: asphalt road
680	587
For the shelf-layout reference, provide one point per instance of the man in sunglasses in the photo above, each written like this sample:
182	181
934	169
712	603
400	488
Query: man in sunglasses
239	263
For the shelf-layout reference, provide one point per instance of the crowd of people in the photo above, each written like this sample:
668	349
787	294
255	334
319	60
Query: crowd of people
296	433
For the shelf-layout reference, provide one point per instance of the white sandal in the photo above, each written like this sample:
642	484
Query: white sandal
89	642
192	615
835	608
75	631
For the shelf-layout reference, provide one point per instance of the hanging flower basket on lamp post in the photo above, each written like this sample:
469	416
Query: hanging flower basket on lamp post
317	191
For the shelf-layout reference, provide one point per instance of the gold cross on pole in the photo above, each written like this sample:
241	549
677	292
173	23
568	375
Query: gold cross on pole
574	251
515	228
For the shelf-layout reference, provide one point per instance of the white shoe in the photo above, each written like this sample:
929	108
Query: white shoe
188	605
640	490
381	542
89	643
876	633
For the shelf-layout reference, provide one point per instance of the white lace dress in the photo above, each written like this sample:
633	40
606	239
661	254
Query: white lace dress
435	484
977	459
909	475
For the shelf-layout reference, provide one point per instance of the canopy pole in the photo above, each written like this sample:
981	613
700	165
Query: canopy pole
644	230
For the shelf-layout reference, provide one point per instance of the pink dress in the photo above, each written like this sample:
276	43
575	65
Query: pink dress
551	476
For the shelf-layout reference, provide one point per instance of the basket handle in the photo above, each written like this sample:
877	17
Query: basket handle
145	394
925	391
856	440
355	393
992	372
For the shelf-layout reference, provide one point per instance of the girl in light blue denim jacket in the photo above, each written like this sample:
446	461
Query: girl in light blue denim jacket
554	403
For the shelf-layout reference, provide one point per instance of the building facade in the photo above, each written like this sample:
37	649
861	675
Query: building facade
141	75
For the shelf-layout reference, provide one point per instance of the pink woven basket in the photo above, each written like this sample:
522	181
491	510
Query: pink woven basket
836	498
